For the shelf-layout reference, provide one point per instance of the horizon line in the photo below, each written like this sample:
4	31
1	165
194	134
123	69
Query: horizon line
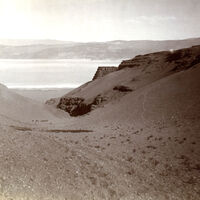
74	41
43	87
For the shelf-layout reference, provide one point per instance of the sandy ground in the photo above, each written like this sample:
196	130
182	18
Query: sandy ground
111	162
88	158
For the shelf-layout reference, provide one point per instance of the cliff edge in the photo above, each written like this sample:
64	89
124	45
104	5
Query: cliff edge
102	71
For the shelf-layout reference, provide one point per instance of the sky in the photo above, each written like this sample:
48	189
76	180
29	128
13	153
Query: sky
99	20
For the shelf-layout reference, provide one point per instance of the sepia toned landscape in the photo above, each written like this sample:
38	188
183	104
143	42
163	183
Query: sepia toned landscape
130	134
99	100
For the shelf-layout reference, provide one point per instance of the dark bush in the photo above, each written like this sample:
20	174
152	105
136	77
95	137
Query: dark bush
122	88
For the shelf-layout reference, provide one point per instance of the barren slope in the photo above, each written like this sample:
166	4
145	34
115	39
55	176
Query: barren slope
144	146
18	108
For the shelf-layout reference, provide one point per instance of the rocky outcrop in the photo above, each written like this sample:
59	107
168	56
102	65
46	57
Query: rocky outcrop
185	58
143	60
77	106
102	71
74	106
179	59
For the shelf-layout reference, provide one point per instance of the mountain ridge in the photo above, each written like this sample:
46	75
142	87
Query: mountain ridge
117	49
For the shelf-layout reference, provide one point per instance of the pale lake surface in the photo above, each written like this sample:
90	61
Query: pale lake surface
39	74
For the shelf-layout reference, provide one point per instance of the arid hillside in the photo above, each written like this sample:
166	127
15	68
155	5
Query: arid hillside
132	76
133	134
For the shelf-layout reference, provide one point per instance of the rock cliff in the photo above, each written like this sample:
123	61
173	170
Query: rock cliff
178	60
102	71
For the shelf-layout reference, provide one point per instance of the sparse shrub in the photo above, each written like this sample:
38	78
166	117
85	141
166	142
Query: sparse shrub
181	142
149	137
193	142
197	167
93	180
122	88
136	132
134	79
45	159
151	147
130	159
68	131
155	162
131	172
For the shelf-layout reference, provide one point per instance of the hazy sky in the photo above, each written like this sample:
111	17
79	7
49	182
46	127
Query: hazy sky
99	20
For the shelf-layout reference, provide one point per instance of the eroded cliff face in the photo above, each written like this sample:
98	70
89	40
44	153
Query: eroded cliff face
178	60
109	85
102	71
77	106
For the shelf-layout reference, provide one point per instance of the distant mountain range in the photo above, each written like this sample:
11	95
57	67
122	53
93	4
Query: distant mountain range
118	49
25	42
